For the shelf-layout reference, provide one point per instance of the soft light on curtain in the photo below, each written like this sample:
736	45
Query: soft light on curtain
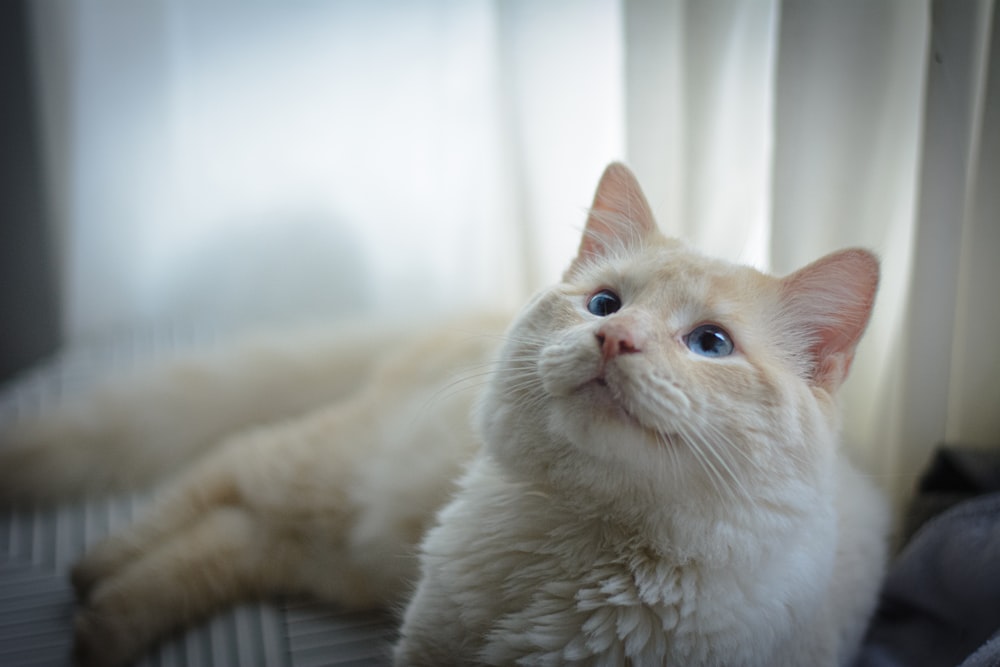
233	162
243	162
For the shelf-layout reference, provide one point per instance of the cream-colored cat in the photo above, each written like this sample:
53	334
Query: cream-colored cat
659	480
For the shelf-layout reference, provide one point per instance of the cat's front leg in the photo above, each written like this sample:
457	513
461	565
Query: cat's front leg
221	559
204	488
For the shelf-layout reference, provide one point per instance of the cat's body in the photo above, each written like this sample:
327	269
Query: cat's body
659	480
331	503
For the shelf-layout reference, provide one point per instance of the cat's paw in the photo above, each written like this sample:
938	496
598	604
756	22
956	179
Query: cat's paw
101	563
86	575
103	640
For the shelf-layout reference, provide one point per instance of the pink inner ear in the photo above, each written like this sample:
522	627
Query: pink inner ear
830	302
619	216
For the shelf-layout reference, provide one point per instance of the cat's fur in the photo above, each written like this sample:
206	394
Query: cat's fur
632	502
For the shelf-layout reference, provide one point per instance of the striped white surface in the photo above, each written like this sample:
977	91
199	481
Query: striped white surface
37	548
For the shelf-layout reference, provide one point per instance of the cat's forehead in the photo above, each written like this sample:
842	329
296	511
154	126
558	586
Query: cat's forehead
669	266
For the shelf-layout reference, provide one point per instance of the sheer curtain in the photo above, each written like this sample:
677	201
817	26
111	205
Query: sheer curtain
239	163
247	162
796	128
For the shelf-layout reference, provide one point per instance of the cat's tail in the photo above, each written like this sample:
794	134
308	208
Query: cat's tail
138	429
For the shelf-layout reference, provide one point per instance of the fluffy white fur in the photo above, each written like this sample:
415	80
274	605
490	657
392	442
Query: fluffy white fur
631	502
645	505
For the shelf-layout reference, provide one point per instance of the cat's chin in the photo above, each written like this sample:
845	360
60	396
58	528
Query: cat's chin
603	407
599	396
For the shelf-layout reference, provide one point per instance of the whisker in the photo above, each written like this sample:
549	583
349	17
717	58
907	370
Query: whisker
724	445
667	443
695	446
729	446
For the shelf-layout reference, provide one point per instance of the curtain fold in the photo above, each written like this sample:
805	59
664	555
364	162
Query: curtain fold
974	387
699	103
854	123
940	395
268	162
848	124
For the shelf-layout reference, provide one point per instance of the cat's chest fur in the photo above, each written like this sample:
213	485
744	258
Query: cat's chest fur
516	577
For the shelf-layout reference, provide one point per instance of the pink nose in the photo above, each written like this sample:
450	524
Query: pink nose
615	337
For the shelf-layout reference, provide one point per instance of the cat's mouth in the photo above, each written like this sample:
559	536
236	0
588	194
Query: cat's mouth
609	401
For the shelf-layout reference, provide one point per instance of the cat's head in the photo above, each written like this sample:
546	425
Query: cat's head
653	367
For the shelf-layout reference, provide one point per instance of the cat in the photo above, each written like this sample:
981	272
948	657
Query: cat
652	474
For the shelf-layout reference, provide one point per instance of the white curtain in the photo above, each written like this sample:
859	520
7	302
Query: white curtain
253	162
248	161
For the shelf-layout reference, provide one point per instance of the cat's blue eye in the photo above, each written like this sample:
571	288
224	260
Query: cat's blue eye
710	340
604	303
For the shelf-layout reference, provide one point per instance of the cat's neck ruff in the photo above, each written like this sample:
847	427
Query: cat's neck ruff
706	529
551	565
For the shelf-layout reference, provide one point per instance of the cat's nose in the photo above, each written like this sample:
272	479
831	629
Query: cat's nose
615	338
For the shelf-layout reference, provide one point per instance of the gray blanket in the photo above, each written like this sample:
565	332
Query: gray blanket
940	604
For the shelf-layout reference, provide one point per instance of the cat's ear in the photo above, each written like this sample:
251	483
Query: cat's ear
619	218
828	304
